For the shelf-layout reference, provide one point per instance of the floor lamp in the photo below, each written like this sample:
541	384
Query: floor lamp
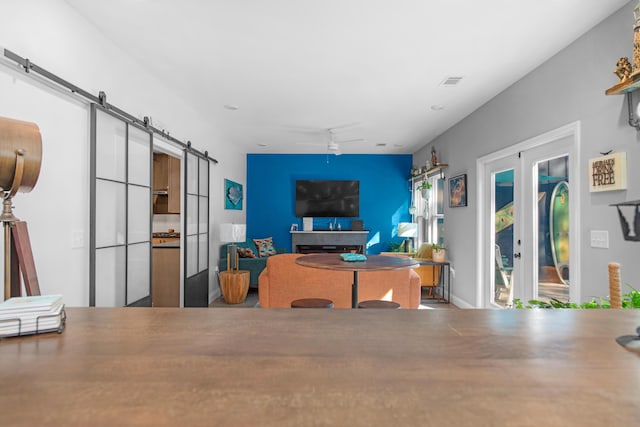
20	159
232	233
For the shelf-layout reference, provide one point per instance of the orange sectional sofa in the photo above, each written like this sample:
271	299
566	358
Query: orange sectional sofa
283	281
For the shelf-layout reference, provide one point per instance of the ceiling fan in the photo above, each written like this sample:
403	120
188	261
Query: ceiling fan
333	145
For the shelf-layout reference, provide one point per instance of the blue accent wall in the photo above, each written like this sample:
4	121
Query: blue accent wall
384	193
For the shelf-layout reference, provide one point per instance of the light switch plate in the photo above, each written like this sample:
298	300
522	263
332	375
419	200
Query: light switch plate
600	239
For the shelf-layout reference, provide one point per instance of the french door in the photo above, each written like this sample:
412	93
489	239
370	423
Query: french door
527	221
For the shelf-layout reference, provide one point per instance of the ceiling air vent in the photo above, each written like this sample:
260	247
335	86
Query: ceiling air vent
451	81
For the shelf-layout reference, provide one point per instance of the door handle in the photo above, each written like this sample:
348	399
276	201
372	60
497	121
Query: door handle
516	255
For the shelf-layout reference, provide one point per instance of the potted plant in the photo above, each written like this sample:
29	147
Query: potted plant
424	187
439	252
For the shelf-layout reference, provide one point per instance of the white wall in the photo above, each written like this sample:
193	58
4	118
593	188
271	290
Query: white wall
52	35
568	87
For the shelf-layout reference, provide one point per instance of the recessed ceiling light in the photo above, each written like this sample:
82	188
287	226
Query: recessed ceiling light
437	107
260	144
231	107
398	145
381	144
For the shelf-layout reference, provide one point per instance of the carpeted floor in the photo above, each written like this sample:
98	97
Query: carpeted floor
252	301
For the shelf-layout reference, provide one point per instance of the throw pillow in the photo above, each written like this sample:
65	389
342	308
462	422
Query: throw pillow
245	253
265	247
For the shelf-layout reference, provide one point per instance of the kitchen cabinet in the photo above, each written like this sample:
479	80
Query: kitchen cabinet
166	184
165	283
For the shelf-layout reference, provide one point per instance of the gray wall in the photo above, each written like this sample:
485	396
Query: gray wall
569	87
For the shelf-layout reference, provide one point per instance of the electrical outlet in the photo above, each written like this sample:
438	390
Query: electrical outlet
600	239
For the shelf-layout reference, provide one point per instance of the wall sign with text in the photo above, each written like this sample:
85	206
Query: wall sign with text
608	173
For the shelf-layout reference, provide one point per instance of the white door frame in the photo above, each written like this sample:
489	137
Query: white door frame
484	229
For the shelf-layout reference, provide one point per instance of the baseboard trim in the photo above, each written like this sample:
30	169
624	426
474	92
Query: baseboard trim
460	303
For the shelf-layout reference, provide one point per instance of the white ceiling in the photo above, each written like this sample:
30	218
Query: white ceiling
296	67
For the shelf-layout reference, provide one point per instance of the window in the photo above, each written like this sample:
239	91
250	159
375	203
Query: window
428	208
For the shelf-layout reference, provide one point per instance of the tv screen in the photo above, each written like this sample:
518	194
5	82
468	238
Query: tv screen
324	198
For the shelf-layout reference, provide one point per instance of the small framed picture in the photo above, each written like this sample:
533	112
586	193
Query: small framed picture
232	195
294	227
458	191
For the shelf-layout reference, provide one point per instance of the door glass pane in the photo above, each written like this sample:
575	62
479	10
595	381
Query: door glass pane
110	147
139	154
203	253
204	177
192	214
139	214
192	255
192	178
110	277
138	272
110	213
503	250
553	229
203	207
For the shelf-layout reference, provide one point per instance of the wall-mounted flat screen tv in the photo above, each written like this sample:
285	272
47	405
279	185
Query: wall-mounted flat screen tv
327	198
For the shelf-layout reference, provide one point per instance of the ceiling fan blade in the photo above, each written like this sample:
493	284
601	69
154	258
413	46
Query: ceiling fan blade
343	126
310	143
350	140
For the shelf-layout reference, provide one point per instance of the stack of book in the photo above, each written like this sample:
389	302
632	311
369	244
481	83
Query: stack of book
31	315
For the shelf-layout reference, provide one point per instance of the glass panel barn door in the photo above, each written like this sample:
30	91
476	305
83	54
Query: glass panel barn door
120	230
196	254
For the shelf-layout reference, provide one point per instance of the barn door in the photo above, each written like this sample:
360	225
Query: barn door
120	229
196	226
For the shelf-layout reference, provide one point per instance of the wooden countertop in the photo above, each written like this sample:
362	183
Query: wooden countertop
270	367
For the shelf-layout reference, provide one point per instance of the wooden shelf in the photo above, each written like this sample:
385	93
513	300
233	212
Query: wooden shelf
430	172
435	169
624	87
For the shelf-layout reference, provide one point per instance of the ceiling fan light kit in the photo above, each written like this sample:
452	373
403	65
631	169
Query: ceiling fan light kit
333	145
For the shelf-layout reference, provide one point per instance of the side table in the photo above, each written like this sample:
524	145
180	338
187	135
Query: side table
234	285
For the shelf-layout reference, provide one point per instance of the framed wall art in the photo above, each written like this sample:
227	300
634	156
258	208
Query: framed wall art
458	191
232	195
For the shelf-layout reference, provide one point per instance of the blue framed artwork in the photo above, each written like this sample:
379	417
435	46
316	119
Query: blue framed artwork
232	195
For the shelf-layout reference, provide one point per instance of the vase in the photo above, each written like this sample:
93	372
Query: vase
439	255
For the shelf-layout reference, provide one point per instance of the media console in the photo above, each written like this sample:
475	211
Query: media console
307	242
